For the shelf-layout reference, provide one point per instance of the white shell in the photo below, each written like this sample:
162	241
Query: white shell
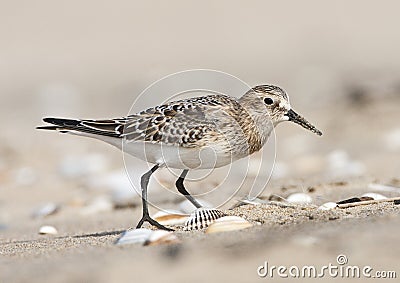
375	196
147	237
170	217
299	198
135	236
201	218
328	206
160	237
47	230
228	223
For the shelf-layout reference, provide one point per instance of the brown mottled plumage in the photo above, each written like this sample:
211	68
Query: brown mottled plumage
196	133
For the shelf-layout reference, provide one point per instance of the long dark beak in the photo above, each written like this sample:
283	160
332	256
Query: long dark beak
296	118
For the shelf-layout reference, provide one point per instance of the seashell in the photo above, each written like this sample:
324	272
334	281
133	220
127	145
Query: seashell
135	236
45	210
299	198
161	237
375	196
47	230
228	223
201	218
187	207
328	206
354	199
170	217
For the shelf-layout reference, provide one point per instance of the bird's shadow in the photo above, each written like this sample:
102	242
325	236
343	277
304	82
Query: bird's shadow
98	234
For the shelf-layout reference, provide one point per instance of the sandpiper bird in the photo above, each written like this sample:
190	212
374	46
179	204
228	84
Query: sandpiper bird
196	133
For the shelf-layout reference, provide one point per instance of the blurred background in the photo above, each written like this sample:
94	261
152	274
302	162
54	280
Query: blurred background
339	62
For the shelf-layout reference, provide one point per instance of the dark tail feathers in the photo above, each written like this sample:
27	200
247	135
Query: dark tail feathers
64	125
59	123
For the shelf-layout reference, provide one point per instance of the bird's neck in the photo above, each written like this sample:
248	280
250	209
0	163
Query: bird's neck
254	123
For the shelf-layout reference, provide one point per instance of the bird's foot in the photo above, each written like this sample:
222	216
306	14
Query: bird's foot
147	218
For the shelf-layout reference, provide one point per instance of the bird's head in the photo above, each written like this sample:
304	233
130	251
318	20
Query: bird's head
271	103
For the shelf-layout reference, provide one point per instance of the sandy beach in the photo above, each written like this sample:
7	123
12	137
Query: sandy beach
339	64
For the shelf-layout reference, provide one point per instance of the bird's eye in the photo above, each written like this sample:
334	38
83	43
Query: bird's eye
268	100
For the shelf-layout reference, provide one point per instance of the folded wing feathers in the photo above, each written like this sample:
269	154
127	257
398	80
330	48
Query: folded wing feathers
175	122
112	128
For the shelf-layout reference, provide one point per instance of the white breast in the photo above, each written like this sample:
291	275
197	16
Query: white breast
172	156
179	157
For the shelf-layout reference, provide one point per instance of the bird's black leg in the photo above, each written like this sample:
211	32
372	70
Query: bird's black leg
146	216
183	191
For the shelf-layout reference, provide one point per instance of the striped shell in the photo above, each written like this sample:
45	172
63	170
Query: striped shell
201	218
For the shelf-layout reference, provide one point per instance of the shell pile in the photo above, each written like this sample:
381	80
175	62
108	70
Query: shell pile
201	218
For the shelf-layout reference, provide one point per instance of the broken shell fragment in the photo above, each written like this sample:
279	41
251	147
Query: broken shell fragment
47	230
160	237
201	218
228	223
135	236
147	237
299	198
328	206
354	199
170	218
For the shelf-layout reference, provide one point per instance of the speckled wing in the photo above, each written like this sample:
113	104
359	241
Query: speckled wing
187	123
